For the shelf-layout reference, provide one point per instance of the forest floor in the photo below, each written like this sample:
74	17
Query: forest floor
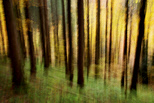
54	88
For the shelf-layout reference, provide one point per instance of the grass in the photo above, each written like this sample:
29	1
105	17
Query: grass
54	89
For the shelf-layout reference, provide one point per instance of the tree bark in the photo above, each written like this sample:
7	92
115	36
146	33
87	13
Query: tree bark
80	43
20	29
42	28
18	79
110	42
30	40
138	47
64	39
70	42
97	50
47	37
88	42
106	31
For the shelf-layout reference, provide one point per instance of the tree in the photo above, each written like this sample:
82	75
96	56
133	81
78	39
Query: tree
47	37
30	40
97	50
144	61
42	28
125	51
20	28
18	79
106	28
110	42
64	38
88	41
80	43
139	42
70	42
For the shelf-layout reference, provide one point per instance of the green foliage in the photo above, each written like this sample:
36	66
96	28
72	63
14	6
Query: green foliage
54	88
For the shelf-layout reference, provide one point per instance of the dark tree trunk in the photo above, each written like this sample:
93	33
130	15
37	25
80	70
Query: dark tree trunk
64	39
110	42
125	51
138	47
14	46
153	59
70	42
47	37
144	62
145	57
42	28
30	40
106	29
80	43
20	29
125	47
88	42
97	51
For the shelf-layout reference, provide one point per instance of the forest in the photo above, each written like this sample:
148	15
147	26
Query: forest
76	51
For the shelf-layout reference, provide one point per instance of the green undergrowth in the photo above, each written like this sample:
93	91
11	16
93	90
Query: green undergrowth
52	87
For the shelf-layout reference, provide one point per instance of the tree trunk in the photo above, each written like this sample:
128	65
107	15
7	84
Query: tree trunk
14	46
47	37
145	57
20	29
42	28
88	41
110	42
80	43
138	47
106	29
144	62
30	40
70	42
64	39
97	50
125	47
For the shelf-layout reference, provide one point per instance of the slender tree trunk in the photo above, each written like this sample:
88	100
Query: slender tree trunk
20	29
138	47
97	51
145	57
144	62
64	39
47	37
88	41
80	43
110	43
42	28
125	47
14	46
70	42
30	40
106	31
